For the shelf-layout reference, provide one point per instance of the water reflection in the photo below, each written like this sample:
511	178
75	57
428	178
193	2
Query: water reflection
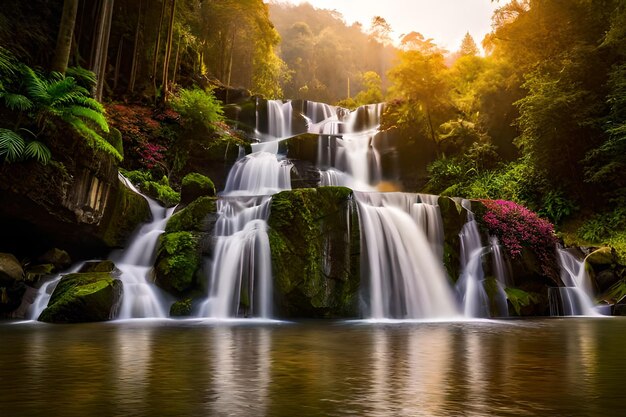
540	367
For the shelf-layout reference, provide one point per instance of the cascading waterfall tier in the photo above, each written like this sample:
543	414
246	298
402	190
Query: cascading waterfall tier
240	272
142	299
346	155
405	278
575	299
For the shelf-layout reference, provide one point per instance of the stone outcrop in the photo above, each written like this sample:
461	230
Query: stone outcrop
314	240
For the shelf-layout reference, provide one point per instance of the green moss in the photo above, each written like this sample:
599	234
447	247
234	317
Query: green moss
177	261
98	266
129	210
196	185
114	137
84	297
192	217
315	268
520	299
161	191
181	308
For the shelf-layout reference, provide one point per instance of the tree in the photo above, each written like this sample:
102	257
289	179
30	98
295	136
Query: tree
64	38
468	46
380	30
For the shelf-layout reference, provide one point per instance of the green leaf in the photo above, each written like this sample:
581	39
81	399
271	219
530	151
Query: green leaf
16	101
89	114
11	145
39	151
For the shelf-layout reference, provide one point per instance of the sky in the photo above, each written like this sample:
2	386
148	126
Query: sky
446	21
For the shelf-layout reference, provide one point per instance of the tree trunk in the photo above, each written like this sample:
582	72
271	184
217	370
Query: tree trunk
103	47
180	38
230	64
64	38
168	50
155	57
133	67
118	62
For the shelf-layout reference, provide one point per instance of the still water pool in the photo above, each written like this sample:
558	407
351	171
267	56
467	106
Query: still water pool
548	367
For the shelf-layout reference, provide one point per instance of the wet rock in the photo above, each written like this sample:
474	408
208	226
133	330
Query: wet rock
181	308
98	266
314	241
194	186
602	257
57	257
10	268
84	297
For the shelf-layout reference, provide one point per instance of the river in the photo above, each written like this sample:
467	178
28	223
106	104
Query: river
542	367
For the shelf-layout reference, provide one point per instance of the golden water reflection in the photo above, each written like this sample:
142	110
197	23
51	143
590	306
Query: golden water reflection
507	368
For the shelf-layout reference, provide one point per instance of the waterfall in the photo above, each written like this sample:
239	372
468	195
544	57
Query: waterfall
142	299
279	119
45	292
239	275
406	278
471	282
575	299
501	271
346	145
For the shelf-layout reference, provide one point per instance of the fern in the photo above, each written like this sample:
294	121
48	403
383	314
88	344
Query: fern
17	102
7	62
93	138
11	145
90	114
39	151
83	77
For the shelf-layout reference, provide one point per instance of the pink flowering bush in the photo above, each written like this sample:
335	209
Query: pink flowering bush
517	228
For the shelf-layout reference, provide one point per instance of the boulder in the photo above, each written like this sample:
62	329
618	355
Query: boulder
199	216
57	257
196	185
178	261
98	266
315	244
181	308
602	257
10	268
84	297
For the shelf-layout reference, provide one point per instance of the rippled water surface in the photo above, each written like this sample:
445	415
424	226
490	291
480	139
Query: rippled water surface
552	367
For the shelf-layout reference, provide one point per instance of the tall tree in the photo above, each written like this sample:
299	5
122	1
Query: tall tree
468	46
64	38
168	50
101	48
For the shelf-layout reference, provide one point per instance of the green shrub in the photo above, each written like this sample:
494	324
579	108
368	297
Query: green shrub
198	107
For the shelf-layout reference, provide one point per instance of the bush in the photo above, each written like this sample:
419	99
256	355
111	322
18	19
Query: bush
516	228
198	107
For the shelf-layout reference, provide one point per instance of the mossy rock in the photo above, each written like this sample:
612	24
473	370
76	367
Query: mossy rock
520	302
196	185
98	266
314	241
602	257
198	216
161	191
57	257
129	209
84	297
181	308
178	260
454	217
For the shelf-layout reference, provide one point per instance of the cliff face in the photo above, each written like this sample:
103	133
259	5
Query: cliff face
76	202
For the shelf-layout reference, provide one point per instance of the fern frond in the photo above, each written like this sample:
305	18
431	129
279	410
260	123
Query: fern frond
93	139
16	101
59	89
11	145
67	99
92	115
39	151
7	64
91	103
37	88
83	76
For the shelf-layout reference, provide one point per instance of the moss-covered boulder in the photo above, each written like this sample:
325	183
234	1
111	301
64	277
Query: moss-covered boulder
84	297
178	261
181	308
12	286
602	257
128	210
454	217
199	216
194	186
10	267
314	240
